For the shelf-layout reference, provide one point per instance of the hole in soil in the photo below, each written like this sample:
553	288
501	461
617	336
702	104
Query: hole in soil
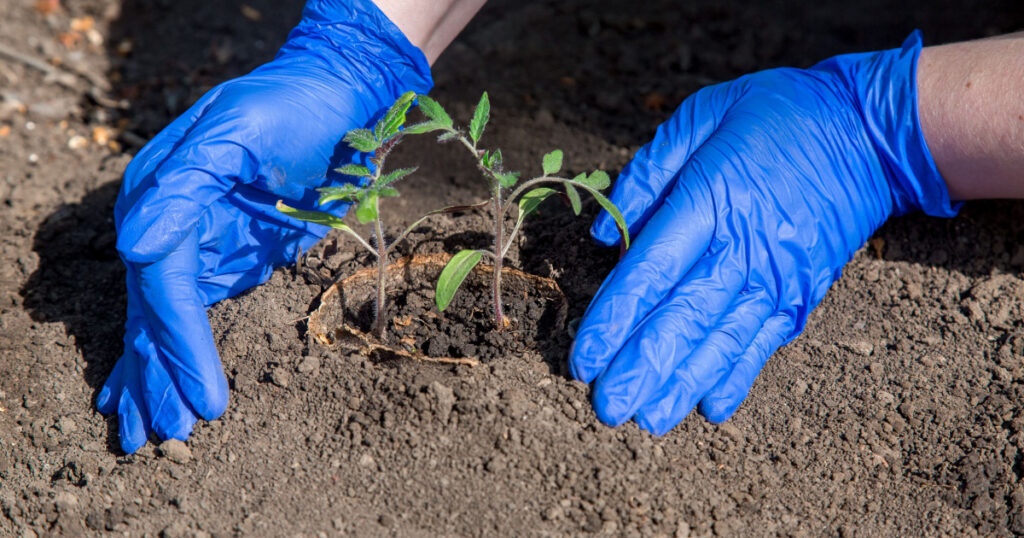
535	307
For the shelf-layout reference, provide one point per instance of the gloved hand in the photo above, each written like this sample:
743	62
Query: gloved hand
746	205
195	217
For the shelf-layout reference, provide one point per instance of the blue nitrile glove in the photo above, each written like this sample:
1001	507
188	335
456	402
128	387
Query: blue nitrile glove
195	218
746	205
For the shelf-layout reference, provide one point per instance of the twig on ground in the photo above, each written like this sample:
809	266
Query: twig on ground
67	77
63	78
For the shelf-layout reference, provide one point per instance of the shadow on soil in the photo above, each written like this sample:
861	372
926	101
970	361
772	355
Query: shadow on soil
985	238
80	283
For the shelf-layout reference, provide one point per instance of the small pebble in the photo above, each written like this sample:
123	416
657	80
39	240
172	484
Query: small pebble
65	501
78	142
178	529
860	347
280	377
731	431
308	365
495	465
444	400
176	451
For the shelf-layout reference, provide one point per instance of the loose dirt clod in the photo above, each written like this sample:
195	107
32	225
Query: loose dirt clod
176	451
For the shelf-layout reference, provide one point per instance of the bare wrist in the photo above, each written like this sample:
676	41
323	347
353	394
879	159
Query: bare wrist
431	26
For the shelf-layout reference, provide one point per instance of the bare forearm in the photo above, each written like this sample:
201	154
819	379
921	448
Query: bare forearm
431	25
971	102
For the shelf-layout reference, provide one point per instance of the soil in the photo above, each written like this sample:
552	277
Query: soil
534	311
897	412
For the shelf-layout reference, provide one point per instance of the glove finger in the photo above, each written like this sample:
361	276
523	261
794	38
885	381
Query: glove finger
107	400
170	416
674	239
664	340
706	366
132	418
181	329
723	400
646	180
132	428
110	394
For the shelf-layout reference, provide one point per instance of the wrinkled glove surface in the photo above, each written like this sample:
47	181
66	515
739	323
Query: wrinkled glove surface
195	216
746	205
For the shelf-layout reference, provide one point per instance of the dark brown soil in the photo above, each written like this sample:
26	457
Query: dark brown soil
533	307
897	412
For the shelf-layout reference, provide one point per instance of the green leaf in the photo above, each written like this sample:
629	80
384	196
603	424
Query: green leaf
357	170
574	198
529	202
507	179
395	175
318	217
613	211
431	109
492	159
387	192
552	162
480	117
366	211
361	140
395	116
425	127
453	275
598	179
347	192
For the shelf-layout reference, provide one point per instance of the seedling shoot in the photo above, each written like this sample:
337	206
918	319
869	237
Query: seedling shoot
373	186
506	191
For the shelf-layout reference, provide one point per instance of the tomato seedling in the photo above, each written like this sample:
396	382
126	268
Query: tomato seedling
506	191
373	185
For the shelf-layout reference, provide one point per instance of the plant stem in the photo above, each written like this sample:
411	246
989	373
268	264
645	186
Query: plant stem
382	267
499	239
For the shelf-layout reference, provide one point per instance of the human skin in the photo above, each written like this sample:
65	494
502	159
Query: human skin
971	104
433	25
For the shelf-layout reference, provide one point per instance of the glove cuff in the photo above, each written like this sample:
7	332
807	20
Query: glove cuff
356	38
884	84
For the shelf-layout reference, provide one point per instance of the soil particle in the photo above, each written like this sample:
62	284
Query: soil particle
66	501
444	400
860	347
387	521
280	376
178	529
176	451
732	432
308	365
